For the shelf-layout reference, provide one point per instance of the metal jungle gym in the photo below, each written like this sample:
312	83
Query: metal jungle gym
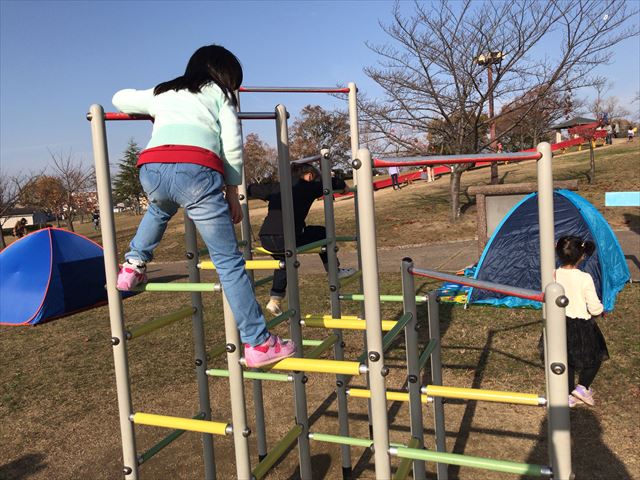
371	363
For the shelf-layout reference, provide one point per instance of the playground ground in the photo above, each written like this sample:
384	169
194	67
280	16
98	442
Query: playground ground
58	407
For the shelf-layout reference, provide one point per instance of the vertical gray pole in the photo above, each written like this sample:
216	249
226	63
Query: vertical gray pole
413	365
200	351
293	294
354	130
334	288
375	354
545	212
554	333
433	310
245	230
236	387
116	318
556	369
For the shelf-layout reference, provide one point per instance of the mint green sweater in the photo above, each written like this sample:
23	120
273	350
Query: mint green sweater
206	119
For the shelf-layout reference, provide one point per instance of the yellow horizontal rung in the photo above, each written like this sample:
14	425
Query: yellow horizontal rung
485	395
249	265
391	396
179	423
319	366
344	323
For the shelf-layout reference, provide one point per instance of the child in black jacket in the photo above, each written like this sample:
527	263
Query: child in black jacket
306	188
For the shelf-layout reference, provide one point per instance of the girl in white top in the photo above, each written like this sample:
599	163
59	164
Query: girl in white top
586	347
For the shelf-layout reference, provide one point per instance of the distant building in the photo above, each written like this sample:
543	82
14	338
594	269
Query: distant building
33	215
567	124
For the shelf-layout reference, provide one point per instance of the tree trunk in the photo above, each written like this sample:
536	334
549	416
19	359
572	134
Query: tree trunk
494	174
3	243
454	190
592	163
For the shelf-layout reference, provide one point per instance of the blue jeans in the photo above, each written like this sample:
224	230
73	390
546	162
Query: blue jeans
199	190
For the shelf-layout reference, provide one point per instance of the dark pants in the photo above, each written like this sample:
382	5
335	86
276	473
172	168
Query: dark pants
585	377
275	244
394	180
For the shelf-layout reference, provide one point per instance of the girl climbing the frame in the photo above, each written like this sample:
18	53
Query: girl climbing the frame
194	161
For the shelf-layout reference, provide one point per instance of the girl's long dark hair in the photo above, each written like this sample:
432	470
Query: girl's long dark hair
570	249
211	63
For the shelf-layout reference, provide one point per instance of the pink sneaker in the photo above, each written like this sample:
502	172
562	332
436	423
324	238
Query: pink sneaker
583	394
131	275
272	350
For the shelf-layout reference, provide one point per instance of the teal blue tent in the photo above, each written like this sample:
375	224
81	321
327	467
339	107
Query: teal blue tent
512	255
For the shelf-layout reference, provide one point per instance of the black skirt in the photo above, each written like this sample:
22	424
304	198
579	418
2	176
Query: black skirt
586	347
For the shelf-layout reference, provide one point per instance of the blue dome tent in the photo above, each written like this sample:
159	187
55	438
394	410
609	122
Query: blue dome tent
512	255
49	274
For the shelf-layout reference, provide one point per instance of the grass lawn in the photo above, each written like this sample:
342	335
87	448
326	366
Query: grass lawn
59	412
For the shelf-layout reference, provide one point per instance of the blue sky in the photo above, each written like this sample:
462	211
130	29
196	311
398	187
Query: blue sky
59	57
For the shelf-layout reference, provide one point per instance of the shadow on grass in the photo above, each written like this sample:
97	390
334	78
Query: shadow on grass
319	466
633	221
23	467
590	457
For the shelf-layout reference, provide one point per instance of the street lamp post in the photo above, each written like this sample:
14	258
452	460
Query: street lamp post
489	59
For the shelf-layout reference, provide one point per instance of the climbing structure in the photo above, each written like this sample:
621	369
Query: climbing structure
371	363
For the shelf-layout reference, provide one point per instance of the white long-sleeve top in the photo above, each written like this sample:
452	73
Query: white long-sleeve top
206	119
581	292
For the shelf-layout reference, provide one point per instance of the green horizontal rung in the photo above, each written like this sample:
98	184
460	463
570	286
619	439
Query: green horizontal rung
262	281
177	287
426	354
311	343
323	347
393	333
275	321
276	452
159	322
250	375
355	442
346	238
164	442
358	297
469	461
312	245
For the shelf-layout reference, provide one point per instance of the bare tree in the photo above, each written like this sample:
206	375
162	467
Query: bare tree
260	160
317	128
11	190
431	75
75	178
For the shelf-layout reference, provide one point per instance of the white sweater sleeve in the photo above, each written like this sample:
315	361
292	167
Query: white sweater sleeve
594	306
231	140
130	100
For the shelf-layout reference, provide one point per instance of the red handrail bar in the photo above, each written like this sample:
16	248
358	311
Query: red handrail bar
294	89
480	284
447	159
118	116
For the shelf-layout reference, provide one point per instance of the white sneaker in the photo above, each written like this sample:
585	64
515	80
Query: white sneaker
346	272
275	306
